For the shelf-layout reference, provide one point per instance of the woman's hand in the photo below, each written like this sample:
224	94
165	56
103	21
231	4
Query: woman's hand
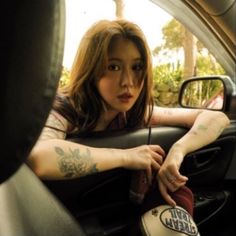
169	177
145	157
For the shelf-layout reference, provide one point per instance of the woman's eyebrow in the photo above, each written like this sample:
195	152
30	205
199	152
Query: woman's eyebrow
114	59
119	59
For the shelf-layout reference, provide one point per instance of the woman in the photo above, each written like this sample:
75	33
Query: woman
111	88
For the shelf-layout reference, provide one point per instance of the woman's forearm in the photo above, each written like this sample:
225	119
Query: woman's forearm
60	159
207	127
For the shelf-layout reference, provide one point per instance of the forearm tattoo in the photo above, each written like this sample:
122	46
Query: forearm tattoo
199	127
202	127
74	163
168	112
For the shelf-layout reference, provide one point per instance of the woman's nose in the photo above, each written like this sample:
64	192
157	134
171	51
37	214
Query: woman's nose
127	78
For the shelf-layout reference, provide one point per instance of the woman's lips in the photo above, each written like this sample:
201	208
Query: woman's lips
125	97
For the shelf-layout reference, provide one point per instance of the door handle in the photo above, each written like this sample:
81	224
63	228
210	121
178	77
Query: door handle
202	158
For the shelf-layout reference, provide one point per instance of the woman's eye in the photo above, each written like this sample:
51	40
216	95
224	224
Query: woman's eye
113	67
137	67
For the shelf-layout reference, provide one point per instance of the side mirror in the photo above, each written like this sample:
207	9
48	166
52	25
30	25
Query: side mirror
208	92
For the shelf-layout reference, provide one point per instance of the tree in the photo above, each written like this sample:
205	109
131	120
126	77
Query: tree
173	35
177	37
190	54
119	9
197	60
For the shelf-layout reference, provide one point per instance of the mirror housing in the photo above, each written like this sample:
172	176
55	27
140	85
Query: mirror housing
206	92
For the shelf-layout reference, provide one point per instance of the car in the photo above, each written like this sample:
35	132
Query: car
32	47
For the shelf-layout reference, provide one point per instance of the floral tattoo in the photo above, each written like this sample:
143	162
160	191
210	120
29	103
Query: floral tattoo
74	163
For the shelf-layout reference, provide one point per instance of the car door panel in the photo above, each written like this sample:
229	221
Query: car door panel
97	196
208	165
205	166
231	173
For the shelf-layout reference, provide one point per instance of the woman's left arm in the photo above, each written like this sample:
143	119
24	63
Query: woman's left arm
205	126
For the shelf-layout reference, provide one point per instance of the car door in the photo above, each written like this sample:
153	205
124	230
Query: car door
93	199
100	202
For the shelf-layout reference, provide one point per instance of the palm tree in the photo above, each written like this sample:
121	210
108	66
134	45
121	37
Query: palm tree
190	54
119	9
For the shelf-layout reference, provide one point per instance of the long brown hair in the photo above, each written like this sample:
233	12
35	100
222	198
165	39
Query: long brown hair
84	104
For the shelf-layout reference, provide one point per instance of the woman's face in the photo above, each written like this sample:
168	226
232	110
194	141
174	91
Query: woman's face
121	82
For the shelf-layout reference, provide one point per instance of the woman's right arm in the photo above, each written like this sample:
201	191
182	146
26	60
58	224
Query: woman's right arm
55	158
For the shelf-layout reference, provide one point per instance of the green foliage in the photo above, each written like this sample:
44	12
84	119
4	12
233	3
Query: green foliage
65	76
207	65
167	74
173	35
168	78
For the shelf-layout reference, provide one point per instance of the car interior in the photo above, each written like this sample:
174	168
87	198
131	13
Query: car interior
32	48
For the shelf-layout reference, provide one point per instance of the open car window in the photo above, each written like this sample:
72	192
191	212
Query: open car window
178	54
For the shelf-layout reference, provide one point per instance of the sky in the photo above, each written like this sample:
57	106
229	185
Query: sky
81	14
